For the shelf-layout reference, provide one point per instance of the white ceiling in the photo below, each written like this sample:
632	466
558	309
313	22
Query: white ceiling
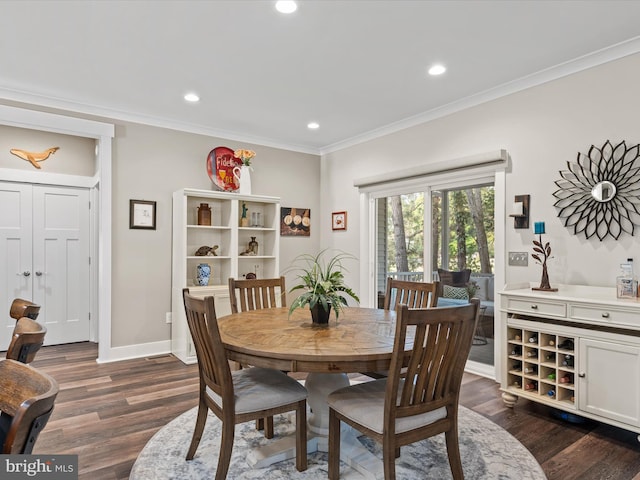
356	67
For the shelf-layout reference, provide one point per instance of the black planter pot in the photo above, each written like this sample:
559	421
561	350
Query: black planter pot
319	315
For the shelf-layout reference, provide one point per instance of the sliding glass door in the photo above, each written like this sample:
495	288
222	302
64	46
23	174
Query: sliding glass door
447	227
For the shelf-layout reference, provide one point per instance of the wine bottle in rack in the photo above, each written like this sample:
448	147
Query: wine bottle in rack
550	357
551	343
551	376
566	345
531	370
551	393
532	354
531	386
566	378
517	366
516	350
533	339
567	361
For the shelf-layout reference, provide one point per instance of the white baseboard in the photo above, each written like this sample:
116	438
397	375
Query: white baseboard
115	354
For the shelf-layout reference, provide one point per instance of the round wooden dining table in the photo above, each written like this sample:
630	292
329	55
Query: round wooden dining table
360	340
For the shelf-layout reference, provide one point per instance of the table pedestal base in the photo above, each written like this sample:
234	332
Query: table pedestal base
352	452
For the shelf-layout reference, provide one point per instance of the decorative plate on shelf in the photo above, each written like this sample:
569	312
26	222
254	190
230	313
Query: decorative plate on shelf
220	165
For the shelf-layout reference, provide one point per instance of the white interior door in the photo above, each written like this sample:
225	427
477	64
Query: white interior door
44	241
61	262
15	252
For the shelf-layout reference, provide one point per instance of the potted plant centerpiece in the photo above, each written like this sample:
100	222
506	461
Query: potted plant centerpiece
322	280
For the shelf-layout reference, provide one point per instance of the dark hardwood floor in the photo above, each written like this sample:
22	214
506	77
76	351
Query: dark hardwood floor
106	413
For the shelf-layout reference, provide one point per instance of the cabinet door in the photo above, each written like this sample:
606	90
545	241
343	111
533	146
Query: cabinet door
608	383
15	252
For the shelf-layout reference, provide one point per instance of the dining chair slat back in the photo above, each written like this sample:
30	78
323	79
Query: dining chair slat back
24	308
212	360
255	294
412	294
27	338
420	397
27	397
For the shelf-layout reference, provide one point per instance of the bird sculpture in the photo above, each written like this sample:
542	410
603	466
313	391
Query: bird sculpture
34	157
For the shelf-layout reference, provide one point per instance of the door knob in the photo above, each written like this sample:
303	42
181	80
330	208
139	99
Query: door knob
39	274
26	274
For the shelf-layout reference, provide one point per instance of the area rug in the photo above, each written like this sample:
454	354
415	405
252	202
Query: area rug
487	450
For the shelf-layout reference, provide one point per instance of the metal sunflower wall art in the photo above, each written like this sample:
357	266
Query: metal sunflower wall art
600	193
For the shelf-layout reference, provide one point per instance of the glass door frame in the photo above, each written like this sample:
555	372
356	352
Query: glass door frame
495	173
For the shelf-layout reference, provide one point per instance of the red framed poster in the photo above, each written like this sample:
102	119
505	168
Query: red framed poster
220	165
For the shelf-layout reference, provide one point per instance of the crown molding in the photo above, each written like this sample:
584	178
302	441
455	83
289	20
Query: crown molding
41	101
590	60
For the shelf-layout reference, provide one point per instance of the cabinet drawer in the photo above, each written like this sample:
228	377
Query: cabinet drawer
604	316
530	307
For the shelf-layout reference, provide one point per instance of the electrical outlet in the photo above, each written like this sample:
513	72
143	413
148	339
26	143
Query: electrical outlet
518	259
168	317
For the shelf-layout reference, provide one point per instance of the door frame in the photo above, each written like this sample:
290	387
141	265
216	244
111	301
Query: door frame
424	178
99	185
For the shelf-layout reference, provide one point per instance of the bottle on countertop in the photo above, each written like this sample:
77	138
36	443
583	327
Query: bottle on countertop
626	282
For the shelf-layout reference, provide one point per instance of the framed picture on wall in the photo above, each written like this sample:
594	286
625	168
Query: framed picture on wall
295	222
339	220
142	214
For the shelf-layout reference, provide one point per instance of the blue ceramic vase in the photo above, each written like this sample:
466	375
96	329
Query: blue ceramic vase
204	272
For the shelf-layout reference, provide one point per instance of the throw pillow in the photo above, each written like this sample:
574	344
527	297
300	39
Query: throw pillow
455	279
459	293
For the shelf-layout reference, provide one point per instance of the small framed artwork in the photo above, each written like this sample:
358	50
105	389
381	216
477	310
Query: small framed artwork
142	214
339	220
295	222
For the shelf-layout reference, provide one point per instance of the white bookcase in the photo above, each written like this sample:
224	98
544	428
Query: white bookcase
232	241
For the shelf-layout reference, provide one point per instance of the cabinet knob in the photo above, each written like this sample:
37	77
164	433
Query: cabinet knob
605	315
39	274
582	374
534	307
26	274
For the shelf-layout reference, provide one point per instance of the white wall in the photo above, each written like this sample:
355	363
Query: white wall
542	128
150	164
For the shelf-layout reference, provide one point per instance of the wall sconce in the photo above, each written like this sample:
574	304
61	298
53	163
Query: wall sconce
520	211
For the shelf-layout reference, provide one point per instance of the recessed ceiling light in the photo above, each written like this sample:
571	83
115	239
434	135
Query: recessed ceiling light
286	6
192	97
437	69
313	125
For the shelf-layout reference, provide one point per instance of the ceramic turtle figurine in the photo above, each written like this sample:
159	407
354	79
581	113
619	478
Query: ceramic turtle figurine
206	251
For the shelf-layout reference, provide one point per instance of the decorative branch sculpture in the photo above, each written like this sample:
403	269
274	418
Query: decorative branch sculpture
543	252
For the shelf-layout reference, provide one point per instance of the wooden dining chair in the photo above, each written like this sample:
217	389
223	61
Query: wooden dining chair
239	396
412	294
23	308
256	294
415	402
27	396
26	340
